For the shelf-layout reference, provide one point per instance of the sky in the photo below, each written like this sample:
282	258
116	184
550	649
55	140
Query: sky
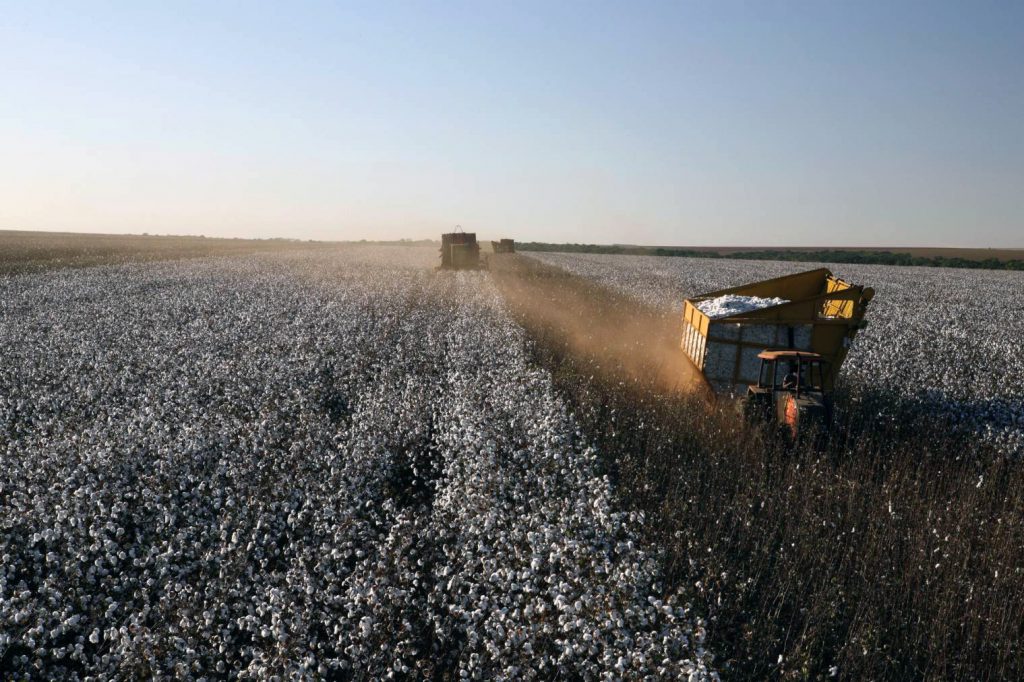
677	123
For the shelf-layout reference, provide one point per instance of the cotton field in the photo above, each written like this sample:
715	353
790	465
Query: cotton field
946	340
318	465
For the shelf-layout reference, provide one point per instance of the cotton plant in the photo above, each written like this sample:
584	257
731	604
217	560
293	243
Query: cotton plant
336	464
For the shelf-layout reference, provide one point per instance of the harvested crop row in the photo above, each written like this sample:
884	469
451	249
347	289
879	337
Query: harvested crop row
941	339
305	466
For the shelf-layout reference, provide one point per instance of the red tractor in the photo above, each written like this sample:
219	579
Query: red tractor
791	391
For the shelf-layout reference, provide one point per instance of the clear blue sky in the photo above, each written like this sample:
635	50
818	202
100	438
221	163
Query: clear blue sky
767	123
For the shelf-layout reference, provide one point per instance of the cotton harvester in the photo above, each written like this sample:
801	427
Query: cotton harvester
504	246
460	251
777	345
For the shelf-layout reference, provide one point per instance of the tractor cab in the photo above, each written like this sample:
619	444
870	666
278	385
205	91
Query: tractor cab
791	391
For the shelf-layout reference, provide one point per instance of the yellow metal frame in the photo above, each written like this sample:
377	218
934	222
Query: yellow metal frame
834	308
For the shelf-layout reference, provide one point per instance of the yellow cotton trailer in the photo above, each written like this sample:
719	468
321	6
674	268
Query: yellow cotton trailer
822	315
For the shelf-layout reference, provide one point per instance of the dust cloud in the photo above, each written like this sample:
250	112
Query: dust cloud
620	335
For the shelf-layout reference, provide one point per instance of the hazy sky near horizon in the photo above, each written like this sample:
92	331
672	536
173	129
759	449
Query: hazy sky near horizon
717	123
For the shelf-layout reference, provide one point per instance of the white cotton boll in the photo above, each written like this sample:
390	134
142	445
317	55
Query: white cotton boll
366	626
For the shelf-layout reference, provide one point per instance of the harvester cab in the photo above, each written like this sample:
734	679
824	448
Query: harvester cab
791	391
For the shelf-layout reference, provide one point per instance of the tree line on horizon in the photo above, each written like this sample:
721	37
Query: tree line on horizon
864	256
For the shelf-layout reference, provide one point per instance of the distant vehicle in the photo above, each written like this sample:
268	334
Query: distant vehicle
460	251
504	246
